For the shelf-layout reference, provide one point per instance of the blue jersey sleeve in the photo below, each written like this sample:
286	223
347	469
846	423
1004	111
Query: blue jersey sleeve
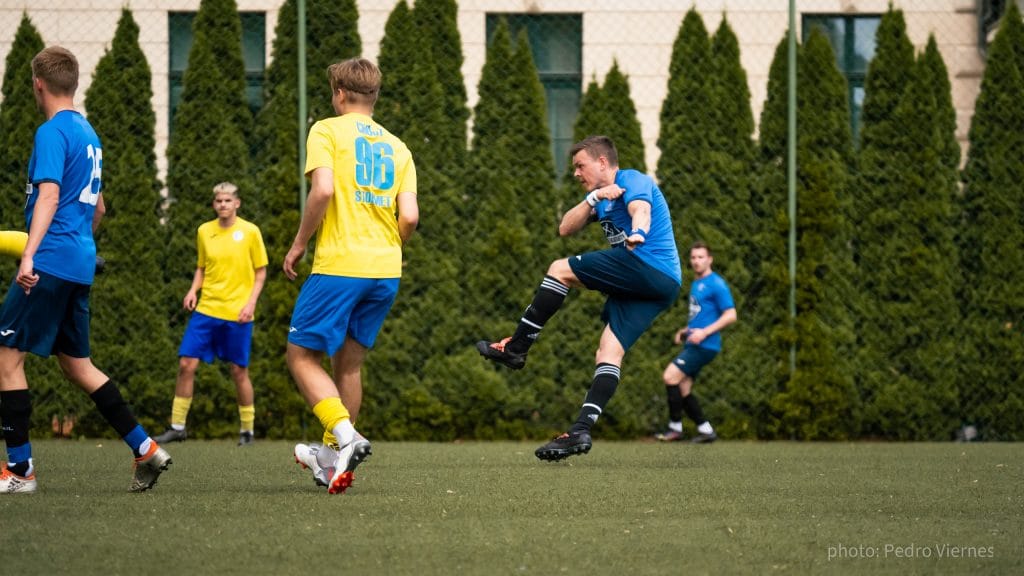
636	187
50	153
723	296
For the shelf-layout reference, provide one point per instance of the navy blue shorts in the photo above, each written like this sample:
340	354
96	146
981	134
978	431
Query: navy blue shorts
637	292
329	308
207	337
52	319
693	358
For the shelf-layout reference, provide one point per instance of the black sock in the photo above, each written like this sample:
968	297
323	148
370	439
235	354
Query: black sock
606	379
675	403
16	419
113	407
546	301
692	408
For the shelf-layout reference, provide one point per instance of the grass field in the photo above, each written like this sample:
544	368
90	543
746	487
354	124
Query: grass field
493	509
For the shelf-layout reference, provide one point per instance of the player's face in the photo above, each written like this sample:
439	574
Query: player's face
700	261
226	205
588	170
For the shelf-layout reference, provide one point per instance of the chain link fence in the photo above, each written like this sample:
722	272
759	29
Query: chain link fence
704	85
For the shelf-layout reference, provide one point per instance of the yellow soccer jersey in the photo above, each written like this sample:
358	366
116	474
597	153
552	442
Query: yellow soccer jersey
359	234
229	258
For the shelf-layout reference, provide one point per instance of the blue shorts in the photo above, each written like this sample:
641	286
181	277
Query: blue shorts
52	319
329	308
637	292
693	358
207	337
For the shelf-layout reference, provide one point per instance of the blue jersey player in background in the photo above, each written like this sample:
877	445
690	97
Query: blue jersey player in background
711	310
46	310
639	274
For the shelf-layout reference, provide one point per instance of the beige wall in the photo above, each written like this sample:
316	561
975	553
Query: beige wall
638	34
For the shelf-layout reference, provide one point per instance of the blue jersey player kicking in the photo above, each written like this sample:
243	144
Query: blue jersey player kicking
47	307
711	310
639	274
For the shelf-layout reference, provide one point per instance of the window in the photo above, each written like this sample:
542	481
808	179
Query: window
253	55
853	40
556	41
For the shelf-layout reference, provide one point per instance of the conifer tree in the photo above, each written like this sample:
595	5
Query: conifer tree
943	93
879	218
818	400
332	36
990	240
509	231
134	346
19	118
624	128
724	217
426	317
437	22
768	312
219	23
684	137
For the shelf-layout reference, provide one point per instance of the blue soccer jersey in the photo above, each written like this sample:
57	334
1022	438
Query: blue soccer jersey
67	153
709	298
659	248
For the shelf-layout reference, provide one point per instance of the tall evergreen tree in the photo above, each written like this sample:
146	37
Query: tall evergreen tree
134	344
912	386
818	400
509	231
686	125
990	240
219	24
426	316
19	118
768	312
332	36
437	22
876	242
738	381
942	90
624	129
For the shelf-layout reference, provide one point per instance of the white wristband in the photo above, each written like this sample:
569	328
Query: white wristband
592	198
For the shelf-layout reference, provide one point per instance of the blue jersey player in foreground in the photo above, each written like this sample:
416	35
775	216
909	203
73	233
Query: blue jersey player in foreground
639	274
47	307
711	310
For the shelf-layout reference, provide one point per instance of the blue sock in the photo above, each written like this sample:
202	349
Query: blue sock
135	440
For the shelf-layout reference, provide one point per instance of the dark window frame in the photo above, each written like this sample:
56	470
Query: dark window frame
847	62
566	24
179	22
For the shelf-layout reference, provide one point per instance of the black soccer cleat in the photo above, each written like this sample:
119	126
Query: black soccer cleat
568	444
498	352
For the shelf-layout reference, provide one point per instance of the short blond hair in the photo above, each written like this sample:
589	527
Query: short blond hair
57	67
358	77
225	188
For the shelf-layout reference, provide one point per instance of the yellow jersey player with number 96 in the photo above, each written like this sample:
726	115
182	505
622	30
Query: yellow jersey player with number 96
362	205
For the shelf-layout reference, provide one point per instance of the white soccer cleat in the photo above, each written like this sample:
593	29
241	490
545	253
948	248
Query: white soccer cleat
350	456
317	458
11	483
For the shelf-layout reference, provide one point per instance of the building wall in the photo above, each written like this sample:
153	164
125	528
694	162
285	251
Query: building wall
638	35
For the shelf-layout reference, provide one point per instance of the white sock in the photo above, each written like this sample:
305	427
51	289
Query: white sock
345	432
675	426
145	446
178	426
705	428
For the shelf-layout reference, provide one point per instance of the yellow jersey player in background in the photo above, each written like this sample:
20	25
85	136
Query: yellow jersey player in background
230	272
362	204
